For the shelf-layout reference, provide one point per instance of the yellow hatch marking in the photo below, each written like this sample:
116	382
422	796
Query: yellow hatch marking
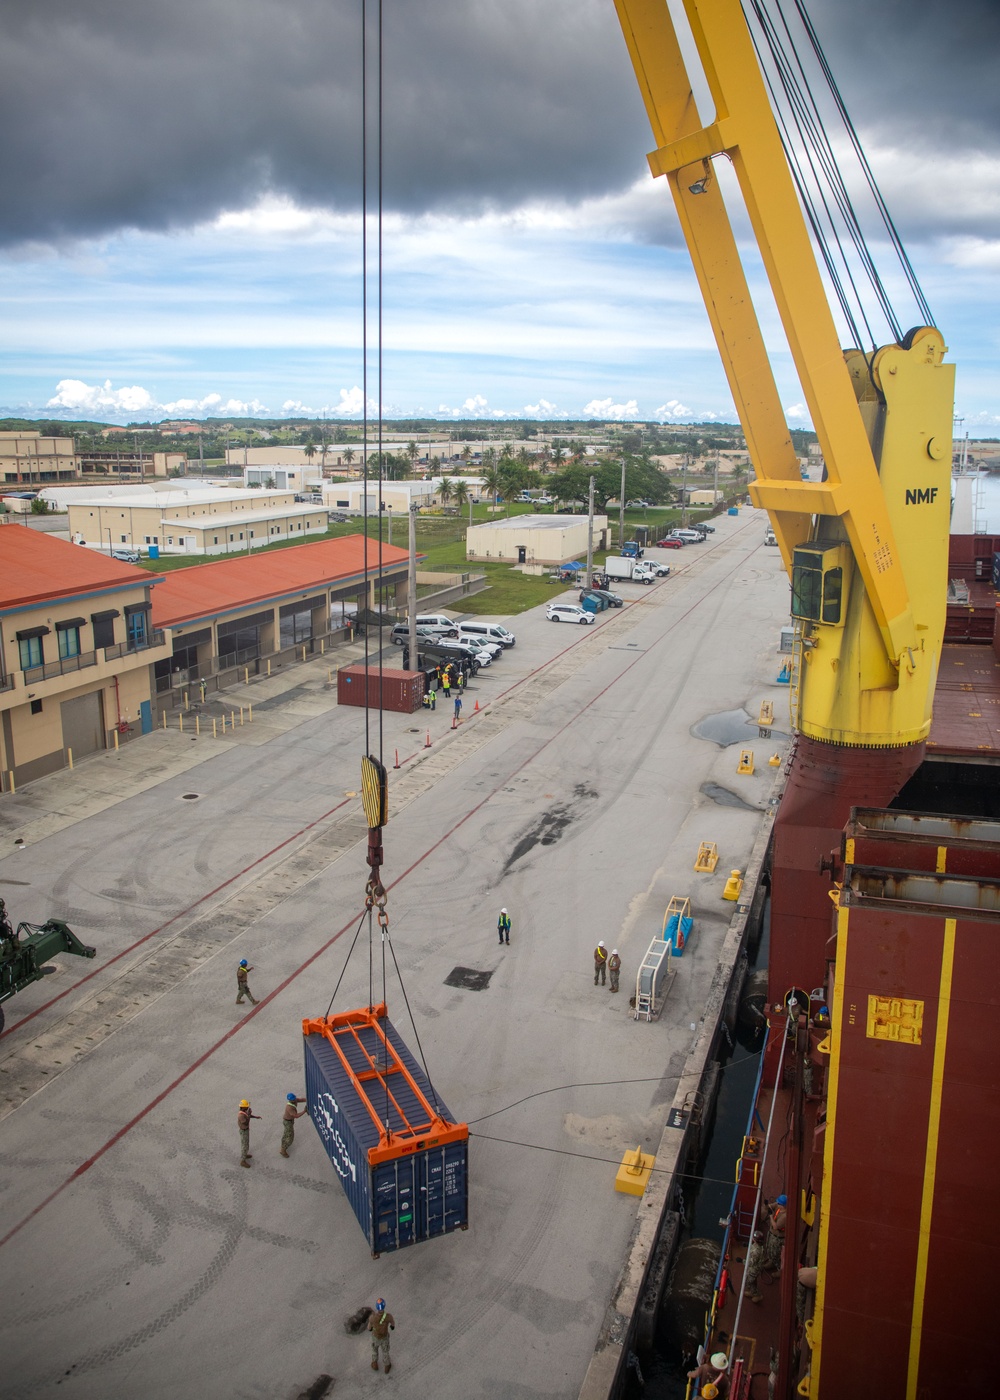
930	1161
942	860
838	1021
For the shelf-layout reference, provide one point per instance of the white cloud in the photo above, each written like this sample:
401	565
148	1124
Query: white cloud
75	394
607	408
673	408
797	413
541	409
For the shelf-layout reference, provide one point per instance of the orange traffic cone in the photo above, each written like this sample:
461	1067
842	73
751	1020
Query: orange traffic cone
427	744
475	709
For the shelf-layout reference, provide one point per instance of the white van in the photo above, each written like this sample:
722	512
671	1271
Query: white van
439	622
487	632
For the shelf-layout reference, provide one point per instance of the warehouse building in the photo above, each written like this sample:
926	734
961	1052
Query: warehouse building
535	539
191	520
77	652
246	613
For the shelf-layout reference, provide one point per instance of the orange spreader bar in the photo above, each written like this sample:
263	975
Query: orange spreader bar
419	1130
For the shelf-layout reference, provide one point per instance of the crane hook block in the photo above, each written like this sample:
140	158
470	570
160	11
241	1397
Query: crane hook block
374	791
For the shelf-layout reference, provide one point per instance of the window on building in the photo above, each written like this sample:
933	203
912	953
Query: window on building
32	652
69	642
215	539
136	627
36	707
124	539
103	624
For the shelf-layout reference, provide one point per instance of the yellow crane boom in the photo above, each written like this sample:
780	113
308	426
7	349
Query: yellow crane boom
867	547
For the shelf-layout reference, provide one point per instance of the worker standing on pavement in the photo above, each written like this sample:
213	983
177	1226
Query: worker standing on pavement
614	967
503	926
458	709
600	964
446	683
380	1324
242	985
288	1122
243	1123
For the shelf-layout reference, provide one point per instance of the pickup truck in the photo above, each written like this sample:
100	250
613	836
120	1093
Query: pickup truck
631	550
625	568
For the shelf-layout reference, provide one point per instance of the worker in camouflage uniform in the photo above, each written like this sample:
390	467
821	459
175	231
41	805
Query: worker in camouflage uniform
775	1243
380	1324
243	1123
288	1122
753	1266
601	964
242	984
615	968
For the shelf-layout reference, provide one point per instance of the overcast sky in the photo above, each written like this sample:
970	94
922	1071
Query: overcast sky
180	231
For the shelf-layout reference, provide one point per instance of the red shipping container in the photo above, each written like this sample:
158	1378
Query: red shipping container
380	690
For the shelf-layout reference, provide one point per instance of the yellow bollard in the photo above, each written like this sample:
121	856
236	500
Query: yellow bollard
187	700
246	675
115	733
250	710
733	885
268	666
10	779
164	719
232	719
223	724
303	653
197	724
70	752
180	723
241	714
214	731
322	646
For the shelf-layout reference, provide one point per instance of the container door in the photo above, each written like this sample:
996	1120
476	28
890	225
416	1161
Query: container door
444	1193
395	1196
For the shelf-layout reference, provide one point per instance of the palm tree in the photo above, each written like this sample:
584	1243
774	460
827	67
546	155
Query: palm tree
412	452
310	450
446	490
348	455
460	493
492	481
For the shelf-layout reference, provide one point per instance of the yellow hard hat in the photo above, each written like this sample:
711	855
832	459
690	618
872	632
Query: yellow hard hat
244	1103
709	1391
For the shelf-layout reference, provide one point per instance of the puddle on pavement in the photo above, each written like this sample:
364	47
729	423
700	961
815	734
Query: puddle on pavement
729	727
725	798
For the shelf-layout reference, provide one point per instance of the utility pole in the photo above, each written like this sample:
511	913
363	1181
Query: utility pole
684	492
715	484
411	586
201	457
590	533
621	511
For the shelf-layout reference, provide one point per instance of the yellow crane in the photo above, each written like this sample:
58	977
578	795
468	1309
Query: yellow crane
866	548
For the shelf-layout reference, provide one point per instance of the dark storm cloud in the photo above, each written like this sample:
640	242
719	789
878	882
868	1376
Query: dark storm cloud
160	113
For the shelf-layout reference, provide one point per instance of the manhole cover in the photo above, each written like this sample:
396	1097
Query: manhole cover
190	797
468	978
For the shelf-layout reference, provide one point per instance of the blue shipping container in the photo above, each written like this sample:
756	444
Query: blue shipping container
418	1188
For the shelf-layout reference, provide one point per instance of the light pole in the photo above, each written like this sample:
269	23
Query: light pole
411	585
590	533
621	510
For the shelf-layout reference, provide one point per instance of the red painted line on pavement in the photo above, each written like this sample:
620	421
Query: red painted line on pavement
182	914
126	1128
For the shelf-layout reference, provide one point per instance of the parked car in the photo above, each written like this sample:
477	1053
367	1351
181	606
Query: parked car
567	612
447	625
669	542
689	535
127	554
637	505
704	527
544	500
401	633
492	631
482	646
614	601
